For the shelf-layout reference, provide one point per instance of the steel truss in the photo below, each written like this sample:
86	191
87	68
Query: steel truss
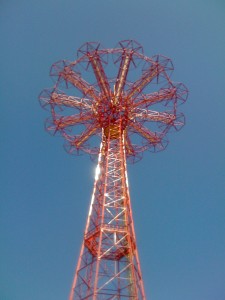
108	266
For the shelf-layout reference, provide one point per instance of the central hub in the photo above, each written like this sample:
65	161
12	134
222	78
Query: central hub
112	114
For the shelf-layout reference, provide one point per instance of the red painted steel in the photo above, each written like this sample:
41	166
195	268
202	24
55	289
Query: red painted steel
126	114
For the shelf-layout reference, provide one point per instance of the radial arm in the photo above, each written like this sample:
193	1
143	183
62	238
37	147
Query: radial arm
145	133
82	85
147	76
71	101
163	94
64	122
100	75
128	145
91	130
122	74
150	115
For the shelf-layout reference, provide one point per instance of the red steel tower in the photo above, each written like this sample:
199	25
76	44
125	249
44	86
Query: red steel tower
117	117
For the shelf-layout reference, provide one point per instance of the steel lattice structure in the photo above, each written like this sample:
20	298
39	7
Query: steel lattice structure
126	113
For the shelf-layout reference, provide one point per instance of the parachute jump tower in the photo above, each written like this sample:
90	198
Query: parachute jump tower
103	109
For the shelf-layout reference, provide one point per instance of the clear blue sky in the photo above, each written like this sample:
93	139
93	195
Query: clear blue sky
178	195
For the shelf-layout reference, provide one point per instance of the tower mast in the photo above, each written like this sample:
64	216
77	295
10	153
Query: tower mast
126	116
108	266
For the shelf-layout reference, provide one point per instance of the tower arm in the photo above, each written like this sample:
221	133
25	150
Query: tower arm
128	145
71	101
122	74
69	75
147	76
91	130
100	75
163	94
150	115
64	122
145	133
